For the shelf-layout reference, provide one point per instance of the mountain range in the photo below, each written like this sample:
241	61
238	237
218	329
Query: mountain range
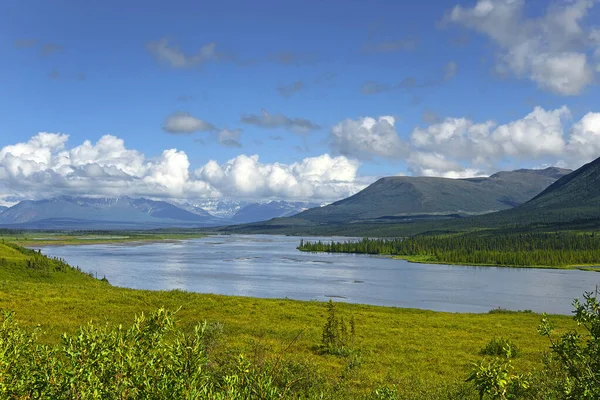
404	197
571	202
556	194
67	212
2	208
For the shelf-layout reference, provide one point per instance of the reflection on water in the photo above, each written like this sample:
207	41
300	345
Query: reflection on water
270	266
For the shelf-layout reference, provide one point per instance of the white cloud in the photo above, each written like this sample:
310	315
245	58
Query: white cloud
229	138
184	123
322	177
172	55
434	164
461	147
44	167
367	137
552	50
538	134
269	121
585	137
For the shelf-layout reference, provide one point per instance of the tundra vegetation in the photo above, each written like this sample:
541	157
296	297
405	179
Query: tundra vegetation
65	334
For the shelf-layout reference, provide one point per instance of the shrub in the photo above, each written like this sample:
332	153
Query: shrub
337	337
500	347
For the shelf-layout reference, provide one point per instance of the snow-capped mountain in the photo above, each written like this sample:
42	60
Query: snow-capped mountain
66	212
240	212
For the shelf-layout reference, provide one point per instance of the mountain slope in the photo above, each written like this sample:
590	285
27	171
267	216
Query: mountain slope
2	208
574	197
101	213
396	198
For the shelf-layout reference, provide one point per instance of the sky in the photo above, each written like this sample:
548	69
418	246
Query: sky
291	100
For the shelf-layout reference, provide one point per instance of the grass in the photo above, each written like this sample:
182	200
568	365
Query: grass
33	238
414	349
424	259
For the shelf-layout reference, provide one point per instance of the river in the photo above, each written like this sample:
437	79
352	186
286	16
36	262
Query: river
270	266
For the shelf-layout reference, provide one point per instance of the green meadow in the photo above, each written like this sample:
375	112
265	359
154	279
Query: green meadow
425	354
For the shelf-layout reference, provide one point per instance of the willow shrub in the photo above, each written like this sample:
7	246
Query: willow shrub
152	359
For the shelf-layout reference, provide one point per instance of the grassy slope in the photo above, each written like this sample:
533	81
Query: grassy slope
402	346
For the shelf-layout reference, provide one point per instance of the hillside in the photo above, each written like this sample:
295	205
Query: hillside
403	197
26	265
573	199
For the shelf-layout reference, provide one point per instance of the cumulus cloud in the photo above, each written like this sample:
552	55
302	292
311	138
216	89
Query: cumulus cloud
268	120
367	137
434	164
552	50
45	166
584	139
184	124
322	177
460	146
171	55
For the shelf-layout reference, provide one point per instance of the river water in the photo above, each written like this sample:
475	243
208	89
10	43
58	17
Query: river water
270	266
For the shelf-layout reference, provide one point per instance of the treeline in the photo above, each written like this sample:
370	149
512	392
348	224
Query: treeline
535	249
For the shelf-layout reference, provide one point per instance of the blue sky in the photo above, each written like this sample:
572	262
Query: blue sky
471	86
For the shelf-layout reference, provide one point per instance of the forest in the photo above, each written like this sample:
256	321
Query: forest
560	249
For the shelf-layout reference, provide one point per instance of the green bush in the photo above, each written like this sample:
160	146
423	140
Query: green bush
152	359
500	347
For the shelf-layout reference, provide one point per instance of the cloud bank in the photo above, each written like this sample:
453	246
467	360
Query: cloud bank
460	147
45	166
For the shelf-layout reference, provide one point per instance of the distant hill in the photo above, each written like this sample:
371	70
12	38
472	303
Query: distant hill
264	211
67	212
409	198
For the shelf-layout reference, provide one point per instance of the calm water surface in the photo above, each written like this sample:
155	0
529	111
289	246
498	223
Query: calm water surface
270	266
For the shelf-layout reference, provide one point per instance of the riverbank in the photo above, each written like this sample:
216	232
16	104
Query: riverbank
32	239
430	260
423	353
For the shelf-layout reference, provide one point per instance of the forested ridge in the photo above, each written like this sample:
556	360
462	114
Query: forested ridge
525	249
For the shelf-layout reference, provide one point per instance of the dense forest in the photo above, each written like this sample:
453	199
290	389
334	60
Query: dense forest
525	249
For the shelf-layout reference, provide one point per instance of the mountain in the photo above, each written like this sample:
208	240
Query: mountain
408	198
2	208
574	197
102	213
274	209
236	211
222	208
